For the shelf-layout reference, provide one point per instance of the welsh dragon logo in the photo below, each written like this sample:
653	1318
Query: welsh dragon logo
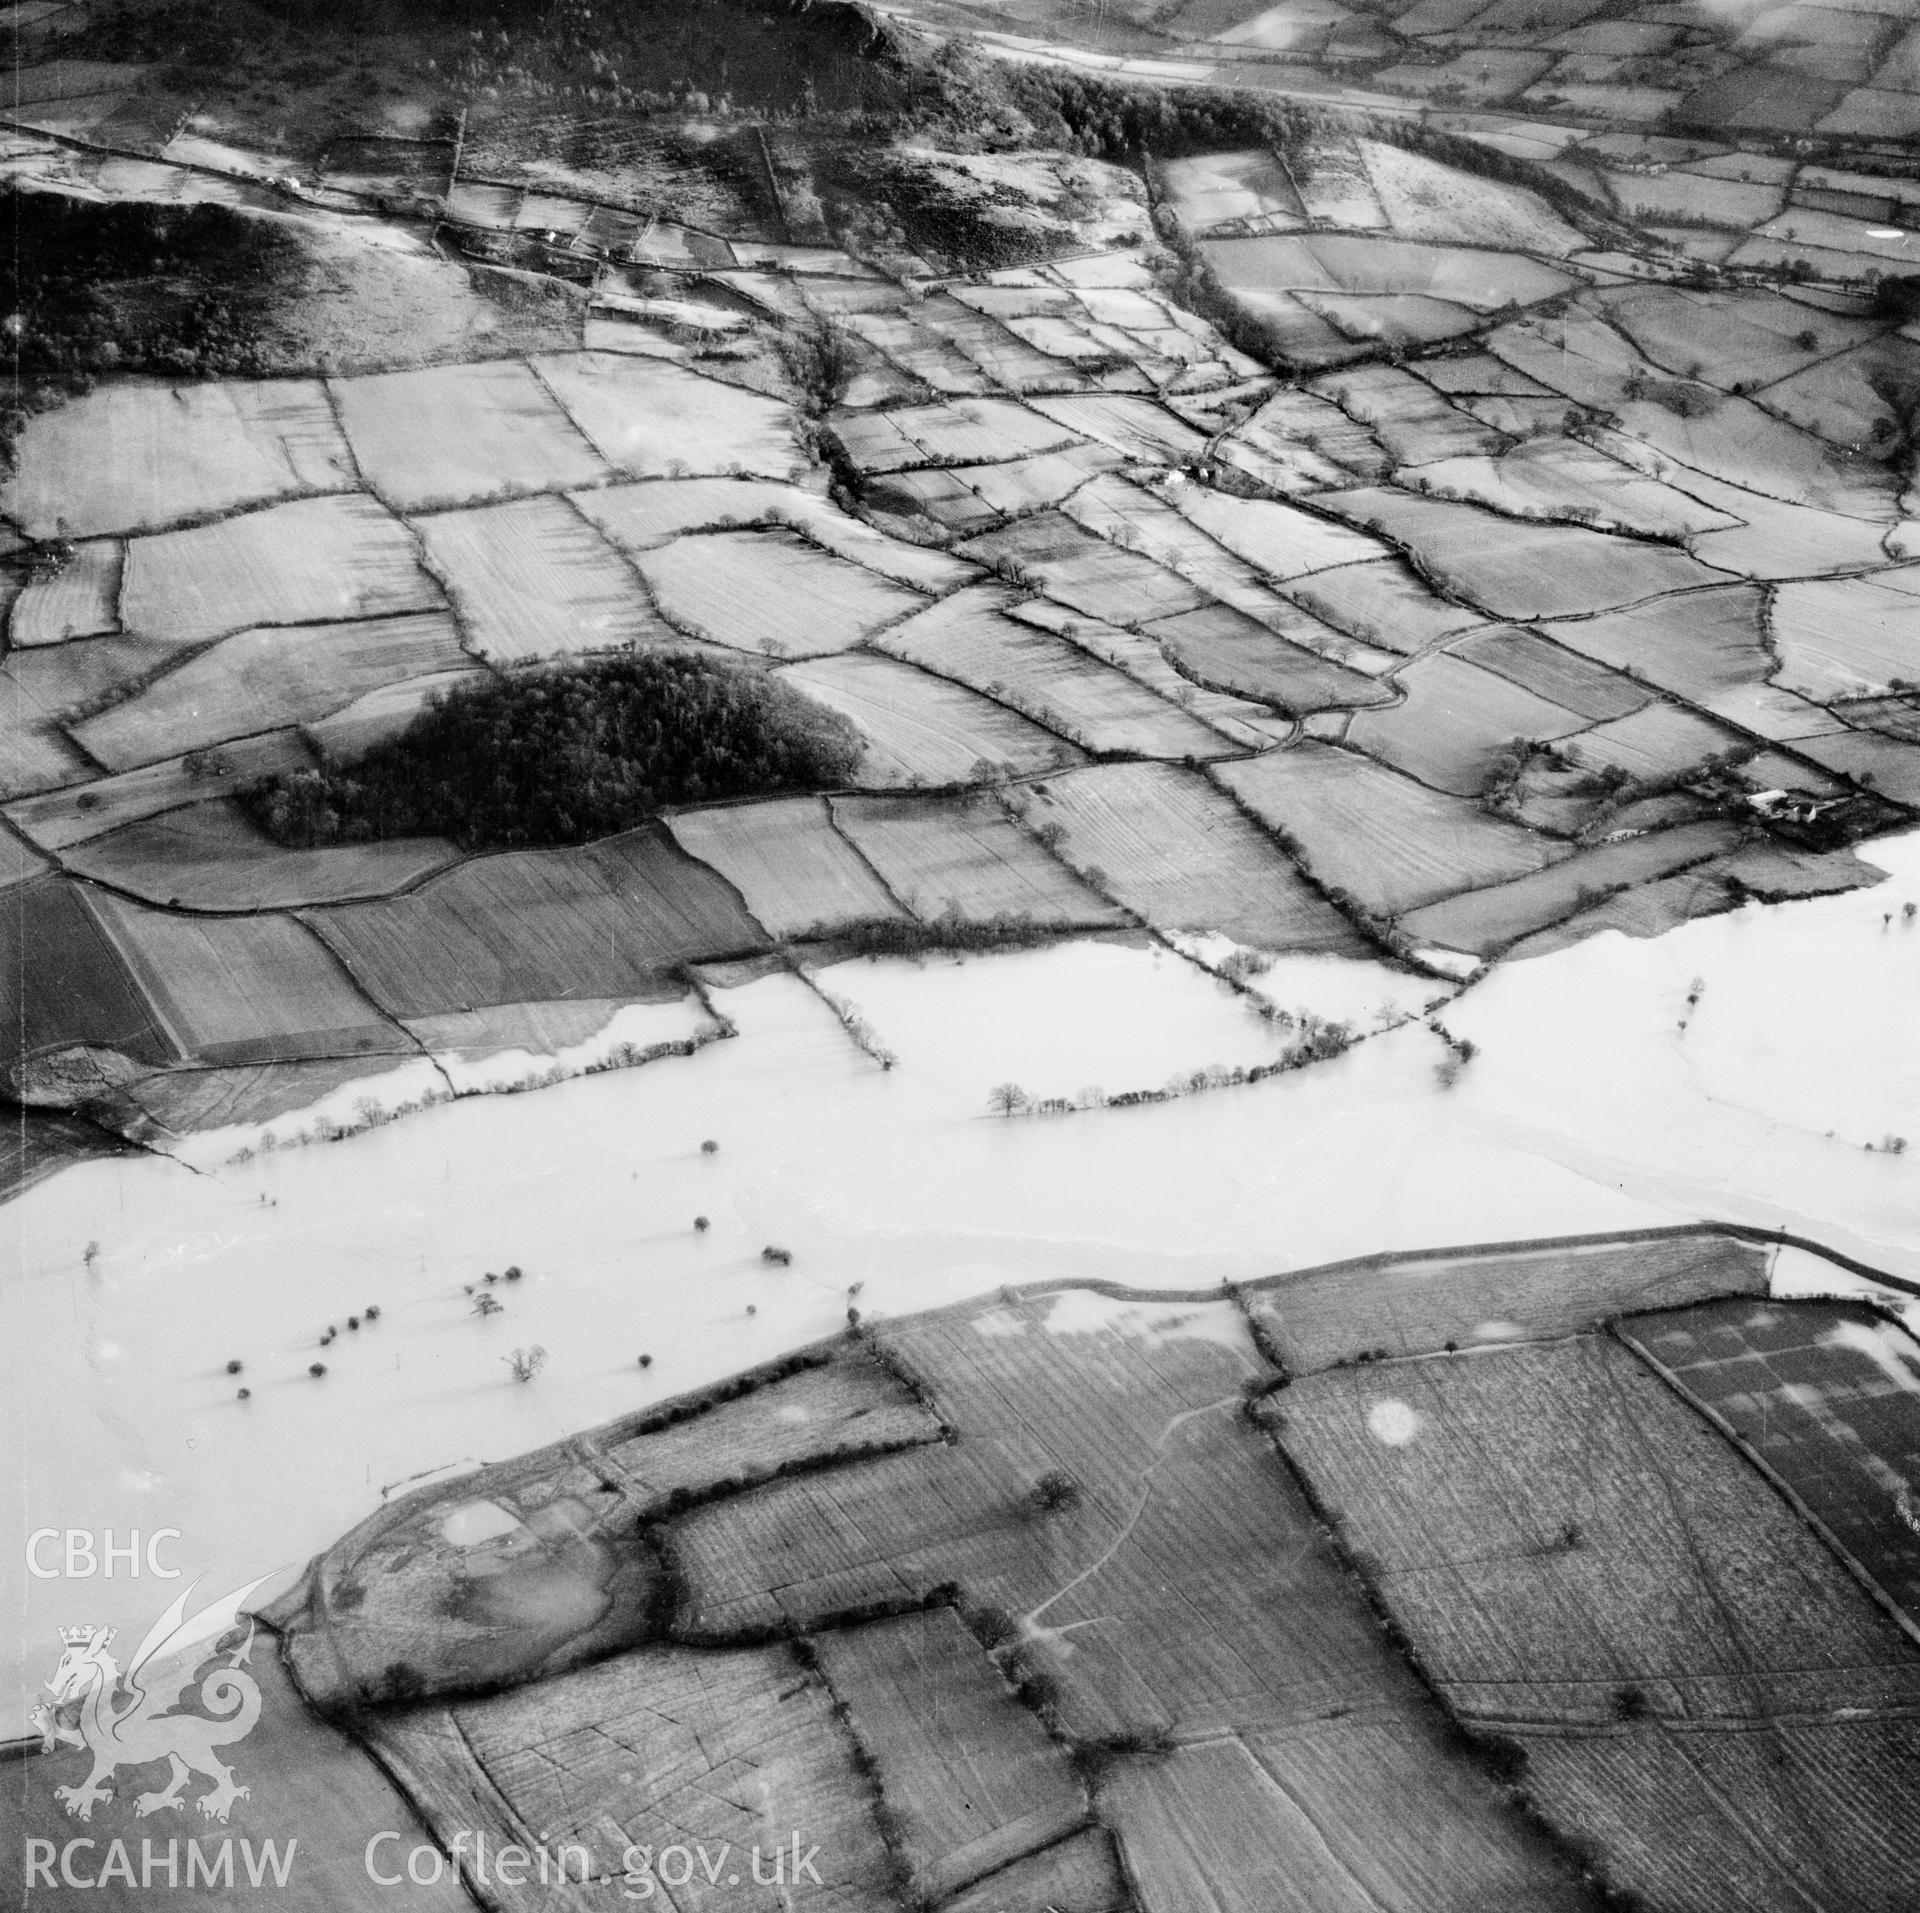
132	1720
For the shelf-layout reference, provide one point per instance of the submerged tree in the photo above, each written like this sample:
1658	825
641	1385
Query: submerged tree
526	1363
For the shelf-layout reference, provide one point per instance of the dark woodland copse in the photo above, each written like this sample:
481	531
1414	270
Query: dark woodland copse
207	275
567	754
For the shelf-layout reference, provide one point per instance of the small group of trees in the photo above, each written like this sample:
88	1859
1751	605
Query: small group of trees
566	753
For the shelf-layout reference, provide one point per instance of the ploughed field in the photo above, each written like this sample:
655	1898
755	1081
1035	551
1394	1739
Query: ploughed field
1128	1604
1478	575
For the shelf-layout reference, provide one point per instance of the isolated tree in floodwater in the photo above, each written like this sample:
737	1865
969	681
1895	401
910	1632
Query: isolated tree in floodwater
1008	1099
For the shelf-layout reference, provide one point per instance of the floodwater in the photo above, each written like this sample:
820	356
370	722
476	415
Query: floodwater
1587	1108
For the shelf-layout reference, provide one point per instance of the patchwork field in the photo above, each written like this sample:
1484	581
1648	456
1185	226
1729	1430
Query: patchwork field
145	455
770	592
1306	509
532	579
1384	838
210	856
78	601
243	989
67	985
327	558
266	680
1264	490
923	727
1514	571
1486	921
968	857
460	434
1053	683
795	869
1019	1603
1821	1394
532	926
1180	854
1455	721
1685	1680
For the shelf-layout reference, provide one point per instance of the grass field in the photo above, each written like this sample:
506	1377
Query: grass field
378	716
969	1774
1425	200
1397	1307
846	1407
535	926
1567	481
1843	637
1159	658
1520	571
1287	1825
300	563
794	869
268	679
40	689
656	1748
1048	680
209	856
1415	424
1752	337
922	728
138	455
1384	604
244	989
1342	262
1179	853
769	591
1211	188
532	579
968	499
639	517
967	432
1823	1393
1694	1579
526	1568
1454	722
1581	1562
967	856
651	420
64	982
1661	742
1330	174
80	601
17	861
61	818
1180	1587
1299	441
1703	646
1078	1875
1079	569
1389	841
460	434
1139	520
1486	921
1281	540
1136	428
